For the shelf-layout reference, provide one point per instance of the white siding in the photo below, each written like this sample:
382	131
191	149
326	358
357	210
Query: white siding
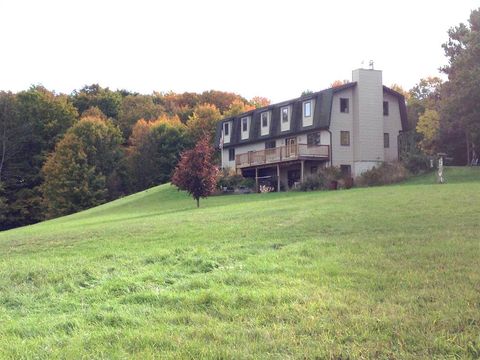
241	149
302	139
368	114
342	155
367	119
324	137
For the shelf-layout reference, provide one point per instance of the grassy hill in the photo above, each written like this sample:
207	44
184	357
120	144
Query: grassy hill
386	272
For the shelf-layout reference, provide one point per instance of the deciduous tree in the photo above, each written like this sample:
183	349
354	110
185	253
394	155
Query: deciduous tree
221	99
101	140
259	101
134	108
35	119
428	126
338	83
154	151
237	107
424	95
71	182
460	111
106	100
203	122
196	173
82	170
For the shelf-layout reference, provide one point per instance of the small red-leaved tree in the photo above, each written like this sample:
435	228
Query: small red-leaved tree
196	172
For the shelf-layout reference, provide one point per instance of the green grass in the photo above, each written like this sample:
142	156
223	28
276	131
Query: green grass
385	272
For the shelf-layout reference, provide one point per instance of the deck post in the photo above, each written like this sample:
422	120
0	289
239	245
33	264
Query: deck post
278	178
256	179
302	170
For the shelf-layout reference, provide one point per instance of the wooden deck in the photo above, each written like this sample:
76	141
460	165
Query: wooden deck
282	154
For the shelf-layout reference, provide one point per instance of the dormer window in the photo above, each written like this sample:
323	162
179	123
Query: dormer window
307	119
264	119
285	118
307	108
245	127
226	131
285	115
265	122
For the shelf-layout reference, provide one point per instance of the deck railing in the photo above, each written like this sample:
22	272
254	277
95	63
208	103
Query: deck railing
282	153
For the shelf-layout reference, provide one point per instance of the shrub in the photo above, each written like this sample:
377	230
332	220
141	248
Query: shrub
313	182
331	173
229	179
346	183
248	183
387	173
416	163
321	180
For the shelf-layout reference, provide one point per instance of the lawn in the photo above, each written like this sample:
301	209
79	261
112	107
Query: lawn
384	272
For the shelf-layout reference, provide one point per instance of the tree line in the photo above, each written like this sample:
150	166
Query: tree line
444	116
60	154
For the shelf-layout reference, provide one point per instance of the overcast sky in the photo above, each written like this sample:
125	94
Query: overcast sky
274	49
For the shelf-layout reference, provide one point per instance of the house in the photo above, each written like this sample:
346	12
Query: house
354	126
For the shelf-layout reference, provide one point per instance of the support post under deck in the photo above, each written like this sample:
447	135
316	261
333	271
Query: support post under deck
302	169
278	178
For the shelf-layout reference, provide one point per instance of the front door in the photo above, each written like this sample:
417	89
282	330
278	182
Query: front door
291	147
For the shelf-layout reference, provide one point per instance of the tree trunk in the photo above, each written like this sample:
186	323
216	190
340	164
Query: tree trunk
468	148
198	202
4	148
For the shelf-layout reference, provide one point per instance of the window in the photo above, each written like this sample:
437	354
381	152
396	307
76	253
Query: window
285	114
307	109
345	138
344	105
244	124
226	128
231	154
270	144
313	139
264	119
386	140
385	108
313	170
346	170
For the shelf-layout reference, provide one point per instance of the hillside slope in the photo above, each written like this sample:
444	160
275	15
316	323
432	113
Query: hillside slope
380	272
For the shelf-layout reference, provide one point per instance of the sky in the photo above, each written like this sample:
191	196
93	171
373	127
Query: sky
275	49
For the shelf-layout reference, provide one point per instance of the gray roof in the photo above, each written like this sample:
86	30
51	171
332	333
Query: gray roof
402	104
321	117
